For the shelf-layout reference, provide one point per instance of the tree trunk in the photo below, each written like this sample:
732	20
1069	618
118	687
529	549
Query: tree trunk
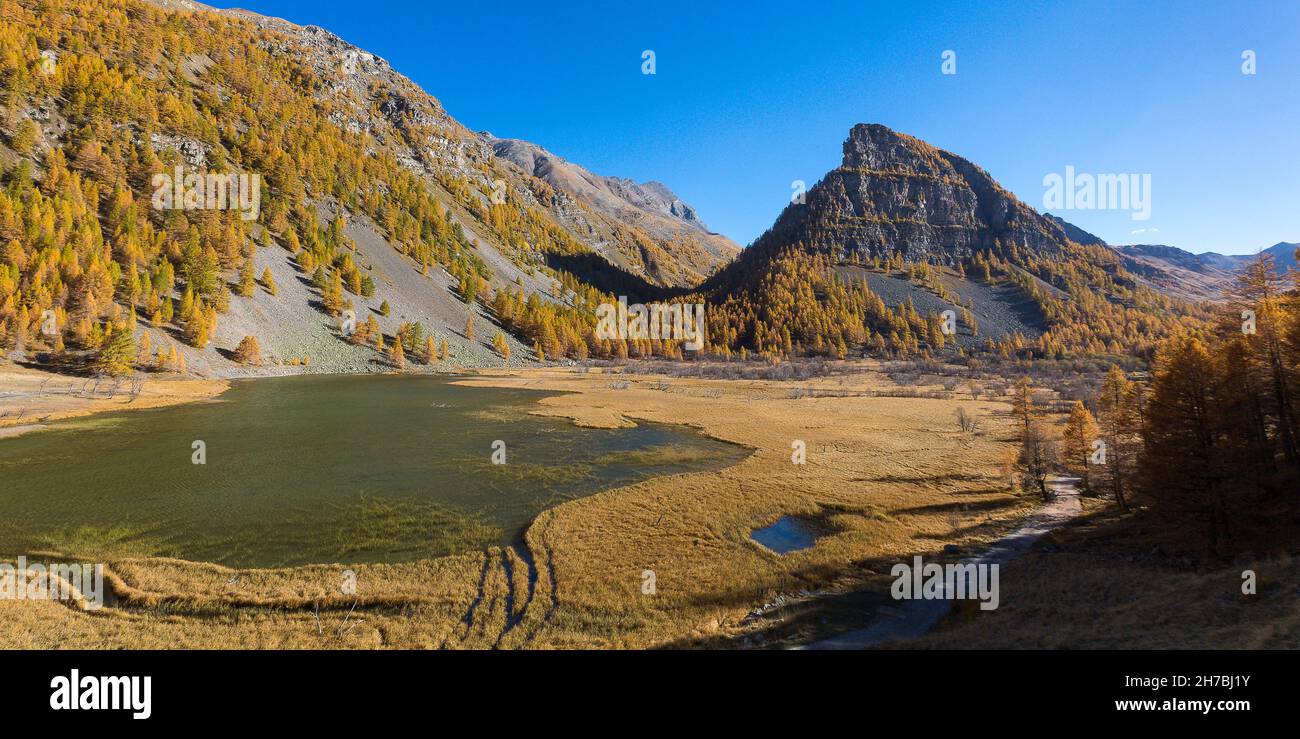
1286	420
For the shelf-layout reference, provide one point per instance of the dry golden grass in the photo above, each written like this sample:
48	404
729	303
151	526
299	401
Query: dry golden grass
1114	581
890	476
31	397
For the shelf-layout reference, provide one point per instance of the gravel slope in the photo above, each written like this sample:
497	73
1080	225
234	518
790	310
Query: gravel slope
1000	310
294	325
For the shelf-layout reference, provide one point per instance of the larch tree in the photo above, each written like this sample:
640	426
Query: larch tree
1076	443
1036	459
247	284
1118	419
1022	403
398	354
117	354
1258	291
248	352
501	345
1181	471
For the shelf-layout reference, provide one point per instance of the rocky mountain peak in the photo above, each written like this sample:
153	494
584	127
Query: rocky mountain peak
895	193
875	147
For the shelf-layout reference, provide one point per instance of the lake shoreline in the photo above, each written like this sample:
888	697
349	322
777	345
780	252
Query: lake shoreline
880	468
317	470
31	399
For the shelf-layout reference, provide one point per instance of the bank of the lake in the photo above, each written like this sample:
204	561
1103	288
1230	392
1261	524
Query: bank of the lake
666	560
31	399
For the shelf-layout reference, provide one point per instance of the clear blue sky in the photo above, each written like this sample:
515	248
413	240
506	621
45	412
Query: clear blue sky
750	96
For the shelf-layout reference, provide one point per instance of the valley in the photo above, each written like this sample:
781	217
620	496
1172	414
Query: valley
399	405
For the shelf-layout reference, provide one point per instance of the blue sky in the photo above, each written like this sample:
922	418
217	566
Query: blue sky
748	97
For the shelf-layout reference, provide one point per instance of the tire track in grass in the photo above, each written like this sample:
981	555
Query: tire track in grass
492	587
554	586
468	619
513	617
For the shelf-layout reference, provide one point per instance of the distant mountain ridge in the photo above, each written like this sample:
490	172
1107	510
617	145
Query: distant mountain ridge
691	250
1283	254
1197	276
607	191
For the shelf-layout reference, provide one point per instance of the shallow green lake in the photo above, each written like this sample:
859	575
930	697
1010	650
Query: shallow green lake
319	469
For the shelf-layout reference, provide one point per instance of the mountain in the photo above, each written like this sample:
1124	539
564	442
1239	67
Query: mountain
1284	255
1074	233
895	194
1178	272
644	236
376	201
902	231
644	228
1196	276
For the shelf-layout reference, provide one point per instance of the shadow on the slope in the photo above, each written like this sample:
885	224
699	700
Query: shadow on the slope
595	271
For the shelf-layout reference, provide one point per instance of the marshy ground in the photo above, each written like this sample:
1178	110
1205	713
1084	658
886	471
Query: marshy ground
665	562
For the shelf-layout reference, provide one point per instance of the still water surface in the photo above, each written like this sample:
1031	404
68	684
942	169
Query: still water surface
319	469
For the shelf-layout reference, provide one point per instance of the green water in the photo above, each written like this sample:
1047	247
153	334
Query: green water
319	469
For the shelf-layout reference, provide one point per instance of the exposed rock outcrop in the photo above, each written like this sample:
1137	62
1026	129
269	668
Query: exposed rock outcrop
897	194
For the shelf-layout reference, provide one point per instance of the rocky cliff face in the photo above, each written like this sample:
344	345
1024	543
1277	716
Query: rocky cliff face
897	194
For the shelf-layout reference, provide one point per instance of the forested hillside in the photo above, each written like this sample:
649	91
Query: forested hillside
355	163
377	206
902	208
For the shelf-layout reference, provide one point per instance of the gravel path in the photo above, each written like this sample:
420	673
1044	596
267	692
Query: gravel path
912	618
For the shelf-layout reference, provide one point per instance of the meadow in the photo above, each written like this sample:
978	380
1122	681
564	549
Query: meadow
664	562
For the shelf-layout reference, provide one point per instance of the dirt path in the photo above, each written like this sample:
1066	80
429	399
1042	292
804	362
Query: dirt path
912	618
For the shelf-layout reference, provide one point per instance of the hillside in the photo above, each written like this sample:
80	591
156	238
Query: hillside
643	228
103	97
382	103
462	249
1178	272
1202	276
903	209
